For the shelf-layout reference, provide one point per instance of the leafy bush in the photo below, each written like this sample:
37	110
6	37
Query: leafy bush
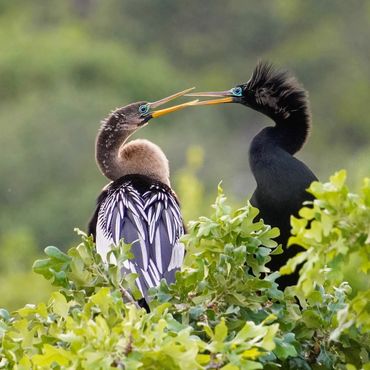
335	232
224	312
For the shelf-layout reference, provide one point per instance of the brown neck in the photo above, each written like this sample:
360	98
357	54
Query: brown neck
116	157
110	139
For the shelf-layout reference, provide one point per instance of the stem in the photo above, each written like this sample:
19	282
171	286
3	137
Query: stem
126	294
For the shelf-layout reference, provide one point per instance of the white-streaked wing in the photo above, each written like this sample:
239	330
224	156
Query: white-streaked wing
121	216
103	243
165	229
152	223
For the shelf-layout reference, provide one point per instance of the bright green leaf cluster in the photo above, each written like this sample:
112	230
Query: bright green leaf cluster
226	257
335	231
225	310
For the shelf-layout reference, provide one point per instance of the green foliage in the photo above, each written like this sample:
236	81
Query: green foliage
224	312
334	229
226	255
65	65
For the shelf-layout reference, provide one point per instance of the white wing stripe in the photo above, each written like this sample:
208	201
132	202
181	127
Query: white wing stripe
158	252
177	256
117	230
153	277
158	211
147	279
154	270
139	226
103	243
138	282
144	253
169	227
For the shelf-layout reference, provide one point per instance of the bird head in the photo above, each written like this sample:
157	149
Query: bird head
137	115
272	92
117	158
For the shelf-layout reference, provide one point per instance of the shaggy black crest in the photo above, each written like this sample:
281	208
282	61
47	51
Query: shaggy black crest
278	94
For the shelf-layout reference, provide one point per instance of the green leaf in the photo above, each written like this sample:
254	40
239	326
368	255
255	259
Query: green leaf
312	319
42	267
221	331
230	367
60	305
283	350
4	314
52	355
56	253
339	179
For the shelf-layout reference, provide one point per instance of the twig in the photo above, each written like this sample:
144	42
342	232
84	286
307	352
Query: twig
127	295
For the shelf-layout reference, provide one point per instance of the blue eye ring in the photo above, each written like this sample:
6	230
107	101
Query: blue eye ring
237	91
144	109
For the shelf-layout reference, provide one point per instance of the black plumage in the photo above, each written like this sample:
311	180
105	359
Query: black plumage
281	178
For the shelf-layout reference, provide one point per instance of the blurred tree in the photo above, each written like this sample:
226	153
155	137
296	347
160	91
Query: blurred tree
65	65
18	284
190	189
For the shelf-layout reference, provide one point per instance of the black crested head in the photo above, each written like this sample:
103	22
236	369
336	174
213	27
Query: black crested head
276	94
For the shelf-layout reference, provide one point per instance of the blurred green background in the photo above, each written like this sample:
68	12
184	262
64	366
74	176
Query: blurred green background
65	64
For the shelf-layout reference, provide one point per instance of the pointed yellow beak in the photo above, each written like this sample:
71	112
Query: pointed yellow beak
162	112
225	97
214	101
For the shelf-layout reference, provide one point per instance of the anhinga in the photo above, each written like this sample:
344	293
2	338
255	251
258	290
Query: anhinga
281	178
138	205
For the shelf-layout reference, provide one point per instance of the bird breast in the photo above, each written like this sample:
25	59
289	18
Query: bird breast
144	158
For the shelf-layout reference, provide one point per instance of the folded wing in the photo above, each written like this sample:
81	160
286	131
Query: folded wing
152	223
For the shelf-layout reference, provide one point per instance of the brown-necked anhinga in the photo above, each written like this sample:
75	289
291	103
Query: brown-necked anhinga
138	205
281	178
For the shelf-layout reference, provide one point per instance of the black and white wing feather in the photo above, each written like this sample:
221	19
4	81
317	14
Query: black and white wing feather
165	227
152	223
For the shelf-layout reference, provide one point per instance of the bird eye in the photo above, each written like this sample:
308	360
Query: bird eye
143	109
237	91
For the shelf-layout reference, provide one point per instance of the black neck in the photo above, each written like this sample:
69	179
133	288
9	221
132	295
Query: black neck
291	132
279	96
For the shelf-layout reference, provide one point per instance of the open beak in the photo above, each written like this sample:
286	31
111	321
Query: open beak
224	97
162	112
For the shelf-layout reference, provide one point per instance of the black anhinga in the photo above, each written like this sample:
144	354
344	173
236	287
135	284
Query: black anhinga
281	178
139	205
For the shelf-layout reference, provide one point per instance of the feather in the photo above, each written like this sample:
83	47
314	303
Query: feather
169	226
154	270
151	221
177	256
158	251
278	94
